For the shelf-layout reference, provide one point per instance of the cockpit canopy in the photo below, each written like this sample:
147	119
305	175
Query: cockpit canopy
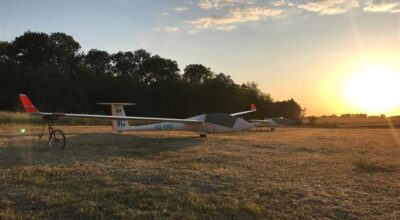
221	119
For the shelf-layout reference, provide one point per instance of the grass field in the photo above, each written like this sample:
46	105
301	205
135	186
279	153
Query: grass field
293	173
16	118
358	122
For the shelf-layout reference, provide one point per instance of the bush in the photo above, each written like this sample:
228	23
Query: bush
312	120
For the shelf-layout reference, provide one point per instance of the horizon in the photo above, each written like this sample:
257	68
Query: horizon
324	54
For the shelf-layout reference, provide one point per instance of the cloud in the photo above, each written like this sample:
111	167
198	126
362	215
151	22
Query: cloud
236	15
281	3
194	31
254	13
170	29
382	6
211	22
180	9
236	12
215	4
329	7
225	28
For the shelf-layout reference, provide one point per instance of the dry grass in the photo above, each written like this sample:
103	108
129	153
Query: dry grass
15	118
288	174
22	118
330	122
370	166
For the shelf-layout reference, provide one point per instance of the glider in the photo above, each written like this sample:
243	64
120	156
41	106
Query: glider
203	124
272	123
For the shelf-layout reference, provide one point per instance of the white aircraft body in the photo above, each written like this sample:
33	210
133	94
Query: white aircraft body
272	123
203	124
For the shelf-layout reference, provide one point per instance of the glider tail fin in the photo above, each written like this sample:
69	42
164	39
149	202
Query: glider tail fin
253	107
26	102
117	109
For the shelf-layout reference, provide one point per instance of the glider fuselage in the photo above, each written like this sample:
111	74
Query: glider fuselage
212	123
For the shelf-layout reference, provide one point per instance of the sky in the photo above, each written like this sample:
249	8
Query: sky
309	50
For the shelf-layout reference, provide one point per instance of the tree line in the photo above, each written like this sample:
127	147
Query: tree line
357	115
53	71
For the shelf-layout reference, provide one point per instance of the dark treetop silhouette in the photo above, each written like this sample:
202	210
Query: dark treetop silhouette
60	77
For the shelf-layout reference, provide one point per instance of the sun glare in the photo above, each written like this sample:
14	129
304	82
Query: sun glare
374	90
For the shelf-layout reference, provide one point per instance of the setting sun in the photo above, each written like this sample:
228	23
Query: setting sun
374	90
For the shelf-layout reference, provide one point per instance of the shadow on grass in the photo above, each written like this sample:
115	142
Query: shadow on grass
71	187
92	146
371	166
262	130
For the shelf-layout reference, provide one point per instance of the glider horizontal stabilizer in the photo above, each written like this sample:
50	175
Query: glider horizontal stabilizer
252	109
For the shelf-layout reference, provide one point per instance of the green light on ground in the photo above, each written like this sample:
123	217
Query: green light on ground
22	130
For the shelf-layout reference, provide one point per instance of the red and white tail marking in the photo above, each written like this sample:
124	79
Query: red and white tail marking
118	110
29	107
253	107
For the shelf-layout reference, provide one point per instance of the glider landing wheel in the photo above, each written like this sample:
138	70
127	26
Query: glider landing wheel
57	139
203	135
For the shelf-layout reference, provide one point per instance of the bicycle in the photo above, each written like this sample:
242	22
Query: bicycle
56	136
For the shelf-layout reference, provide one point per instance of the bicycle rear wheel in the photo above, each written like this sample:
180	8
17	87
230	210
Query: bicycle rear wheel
57	140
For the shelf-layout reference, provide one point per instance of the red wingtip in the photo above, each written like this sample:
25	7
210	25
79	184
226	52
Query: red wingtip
29	107
253	107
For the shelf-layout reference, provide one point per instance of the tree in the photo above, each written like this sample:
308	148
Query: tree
224	79
64	50
157	68
53	72
5	49
124	64
312	120
32	48
99	62
140	57
288	109
197	73
131	64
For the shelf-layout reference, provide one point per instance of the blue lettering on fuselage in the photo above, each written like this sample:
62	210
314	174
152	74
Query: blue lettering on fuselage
120	123
165	126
